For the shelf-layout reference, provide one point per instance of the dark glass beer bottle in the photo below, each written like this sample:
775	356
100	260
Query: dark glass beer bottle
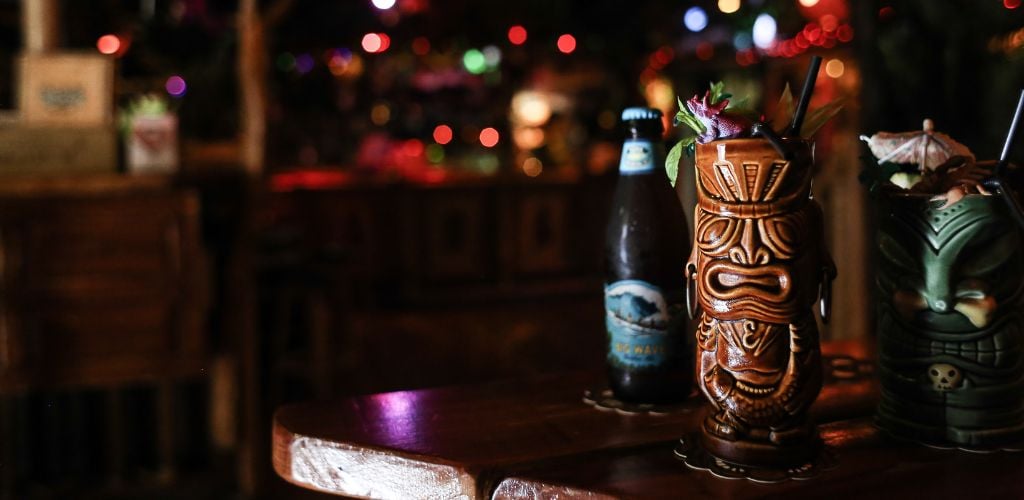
650	355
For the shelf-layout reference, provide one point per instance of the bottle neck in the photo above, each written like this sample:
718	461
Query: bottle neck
641	154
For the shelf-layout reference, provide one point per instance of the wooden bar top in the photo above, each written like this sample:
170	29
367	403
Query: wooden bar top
461	441
868	465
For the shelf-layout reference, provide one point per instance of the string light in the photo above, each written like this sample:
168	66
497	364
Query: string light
443	134
728	6
175	86
517	35
834	68
566	43
705	51
489	137
532	167
421	46
763	33
695	19
108	44
375	43
474	61
380	114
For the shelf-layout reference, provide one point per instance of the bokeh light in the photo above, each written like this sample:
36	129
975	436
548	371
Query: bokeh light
304	63
373	43
492	56
566	43
530	108
489	137
108	44
175	86
764	30
421	46
435	153
705	51
443	134
380	114
517	35
1011	4
695	19
383	4
532	167
728	6
808	3
528	137
835	68
474	61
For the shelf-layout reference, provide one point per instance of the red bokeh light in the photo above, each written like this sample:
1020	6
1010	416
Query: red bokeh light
517	35
108	44
372	43
705	51
421	46
413	148
1011	4
844	33
489	137
566	43
442	134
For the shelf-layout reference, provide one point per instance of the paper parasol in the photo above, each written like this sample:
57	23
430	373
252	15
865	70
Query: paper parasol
927	149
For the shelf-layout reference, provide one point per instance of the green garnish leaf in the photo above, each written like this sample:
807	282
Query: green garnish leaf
672	162
817	118
784	114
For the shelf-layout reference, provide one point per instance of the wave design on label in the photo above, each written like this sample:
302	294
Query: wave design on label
637	157
639	323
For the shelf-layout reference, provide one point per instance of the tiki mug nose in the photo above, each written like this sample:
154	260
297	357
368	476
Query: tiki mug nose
751	250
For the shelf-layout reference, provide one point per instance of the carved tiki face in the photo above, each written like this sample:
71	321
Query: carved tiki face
759	260
950	289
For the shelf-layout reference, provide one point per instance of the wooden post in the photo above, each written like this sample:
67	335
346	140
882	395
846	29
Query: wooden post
39	25
252	74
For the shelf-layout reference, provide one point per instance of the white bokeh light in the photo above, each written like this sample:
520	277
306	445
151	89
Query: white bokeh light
764	31
695	19
383	4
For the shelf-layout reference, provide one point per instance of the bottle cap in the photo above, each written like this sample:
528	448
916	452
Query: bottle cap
640	113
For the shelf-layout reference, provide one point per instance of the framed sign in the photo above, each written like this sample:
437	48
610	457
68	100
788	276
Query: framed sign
69	89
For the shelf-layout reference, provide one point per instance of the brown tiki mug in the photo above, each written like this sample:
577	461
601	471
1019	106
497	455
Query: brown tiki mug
757	266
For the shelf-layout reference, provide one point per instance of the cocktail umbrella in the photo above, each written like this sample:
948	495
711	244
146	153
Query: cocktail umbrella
927	149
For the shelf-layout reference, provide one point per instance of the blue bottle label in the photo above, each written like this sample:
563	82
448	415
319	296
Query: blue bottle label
637	157
640	324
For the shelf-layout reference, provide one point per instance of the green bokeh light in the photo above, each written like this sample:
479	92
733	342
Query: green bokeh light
435	153
474	61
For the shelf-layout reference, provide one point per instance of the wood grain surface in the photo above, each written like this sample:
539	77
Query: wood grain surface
869	465
459	442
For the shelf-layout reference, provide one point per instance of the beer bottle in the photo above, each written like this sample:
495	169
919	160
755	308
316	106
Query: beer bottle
650	354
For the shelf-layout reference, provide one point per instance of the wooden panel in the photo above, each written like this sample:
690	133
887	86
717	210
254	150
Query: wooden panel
543	232
455	235
57	151
104	289
457	440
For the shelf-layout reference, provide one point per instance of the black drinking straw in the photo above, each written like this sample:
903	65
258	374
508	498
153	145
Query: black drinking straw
805	97
995	183
1011	136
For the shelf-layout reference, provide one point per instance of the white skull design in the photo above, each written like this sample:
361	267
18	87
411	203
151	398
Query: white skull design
945	377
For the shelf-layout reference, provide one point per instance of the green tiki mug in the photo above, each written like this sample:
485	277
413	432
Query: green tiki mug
950	289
